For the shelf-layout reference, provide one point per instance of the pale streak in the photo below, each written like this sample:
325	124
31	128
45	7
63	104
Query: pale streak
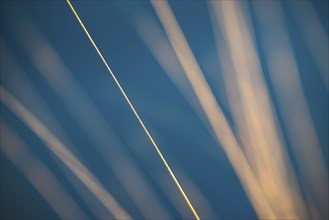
152	36
237	99
214	114
39	176
83	110
229	77
154	39
58	148
197	197
315	35
16	79
134	111
200	202
265	149
285	76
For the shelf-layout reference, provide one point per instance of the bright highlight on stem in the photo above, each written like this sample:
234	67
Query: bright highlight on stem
134	111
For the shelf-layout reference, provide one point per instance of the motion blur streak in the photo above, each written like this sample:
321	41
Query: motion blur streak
135	112
86	114
156	42
20	86
264	147
315	35
154	39
39	175
210	106
234	93
285	77
64	155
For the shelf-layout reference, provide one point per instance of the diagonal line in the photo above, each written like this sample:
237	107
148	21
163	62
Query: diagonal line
58	198
65	155
221	128
134	111
267	150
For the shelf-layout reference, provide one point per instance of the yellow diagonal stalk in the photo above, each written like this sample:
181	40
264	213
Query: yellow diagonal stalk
134	111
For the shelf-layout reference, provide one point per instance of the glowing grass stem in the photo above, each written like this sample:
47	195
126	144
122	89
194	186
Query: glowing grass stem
134	111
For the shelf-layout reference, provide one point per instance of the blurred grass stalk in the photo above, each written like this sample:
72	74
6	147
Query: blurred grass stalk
86	114
257	124
20	86
285	76
314	34
132	108
213	111
257	120
39	175
61	151
257	151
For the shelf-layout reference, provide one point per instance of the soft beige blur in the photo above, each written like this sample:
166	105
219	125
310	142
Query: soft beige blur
285	76
210	106
55	72
39	176
315	35
57	147
257	120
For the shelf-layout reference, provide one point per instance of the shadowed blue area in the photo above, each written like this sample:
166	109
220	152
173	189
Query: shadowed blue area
181	136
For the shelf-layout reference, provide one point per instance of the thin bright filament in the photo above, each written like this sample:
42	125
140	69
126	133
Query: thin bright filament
134	111
154	39
87	115
66	156
212	110
16	80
